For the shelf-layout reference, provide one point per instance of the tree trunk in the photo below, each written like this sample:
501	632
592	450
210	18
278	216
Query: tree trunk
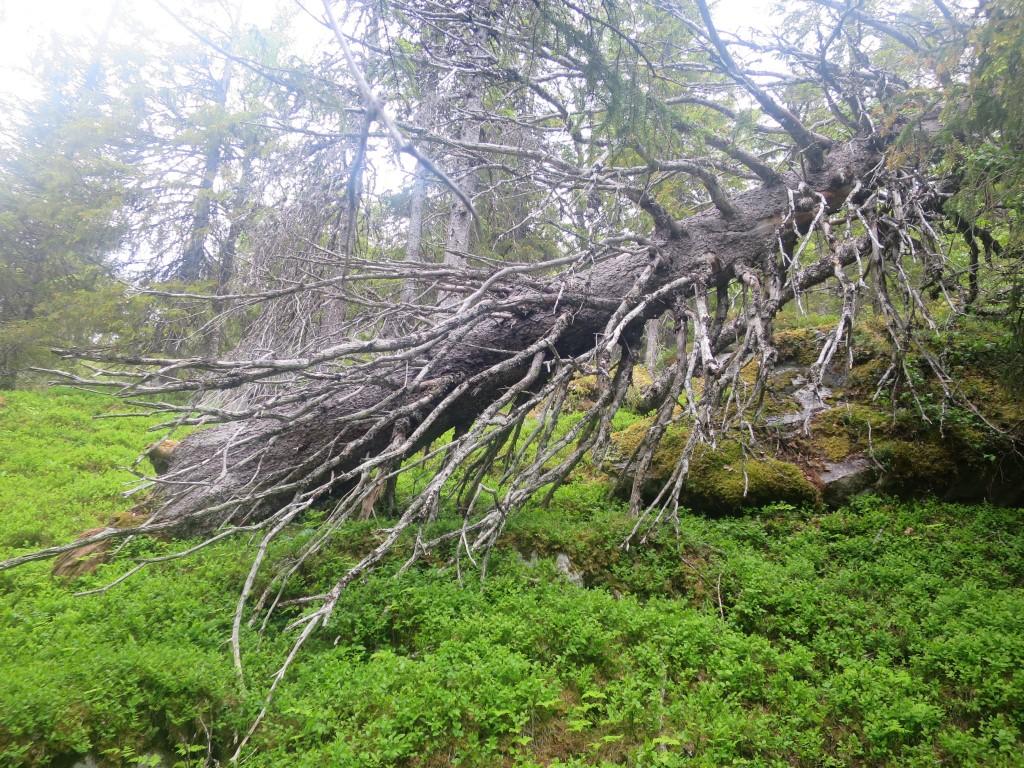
251	467
651	345
413	250
227	253
418	202
460	222
193	261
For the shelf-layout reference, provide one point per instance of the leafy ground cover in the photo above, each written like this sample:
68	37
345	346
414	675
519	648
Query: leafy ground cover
883	633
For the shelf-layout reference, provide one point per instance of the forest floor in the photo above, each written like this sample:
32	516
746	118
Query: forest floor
884	632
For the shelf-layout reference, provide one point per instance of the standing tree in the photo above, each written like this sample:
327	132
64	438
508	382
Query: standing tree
67	188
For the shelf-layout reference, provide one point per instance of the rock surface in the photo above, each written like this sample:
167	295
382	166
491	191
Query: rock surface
564	566
826	444
843	479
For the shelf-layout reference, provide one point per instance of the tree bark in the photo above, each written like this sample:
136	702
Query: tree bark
425	118
193	260
460	221
651	345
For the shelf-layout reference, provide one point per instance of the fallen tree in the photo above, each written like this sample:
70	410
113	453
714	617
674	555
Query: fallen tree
860	206
504	343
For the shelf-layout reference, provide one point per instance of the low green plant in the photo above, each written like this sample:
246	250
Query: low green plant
882	633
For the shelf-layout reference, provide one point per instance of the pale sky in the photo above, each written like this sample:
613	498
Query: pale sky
25	25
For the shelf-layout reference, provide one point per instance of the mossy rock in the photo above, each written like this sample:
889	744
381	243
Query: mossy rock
863	378
641	378
870	340
918	466
583	392
964	461
1003	405
721	480
785	381
798	345
914	459
626	442
855	422
832	447
724	480
641	382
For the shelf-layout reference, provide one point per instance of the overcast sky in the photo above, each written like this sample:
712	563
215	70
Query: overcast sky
26	25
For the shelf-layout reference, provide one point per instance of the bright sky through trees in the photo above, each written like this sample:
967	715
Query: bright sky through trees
26	25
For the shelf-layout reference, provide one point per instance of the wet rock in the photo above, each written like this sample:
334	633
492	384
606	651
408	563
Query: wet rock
564	566
811	400
842	479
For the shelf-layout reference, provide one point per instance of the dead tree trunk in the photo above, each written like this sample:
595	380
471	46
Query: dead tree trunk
238	472
651	345
425	117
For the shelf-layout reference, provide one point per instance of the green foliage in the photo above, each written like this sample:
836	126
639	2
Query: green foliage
61	469
65	199
883	633
985	115
116	159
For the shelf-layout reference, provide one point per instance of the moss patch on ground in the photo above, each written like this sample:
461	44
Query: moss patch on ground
799	345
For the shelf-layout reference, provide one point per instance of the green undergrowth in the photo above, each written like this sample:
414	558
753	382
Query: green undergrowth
882	633
63	469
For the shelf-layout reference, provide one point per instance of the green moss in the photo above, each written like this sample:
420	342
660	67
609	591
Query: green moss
626	443
863	377
857	422
720	480
1001	402
783	380
640	383
798	345
583	391
833	447
725	480
916	465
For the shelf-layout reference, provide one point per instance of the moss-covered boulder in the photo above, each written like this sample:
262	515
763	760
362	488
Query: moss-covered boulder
958	459
924	466
799	346
584	391
728	479
910	438
721	480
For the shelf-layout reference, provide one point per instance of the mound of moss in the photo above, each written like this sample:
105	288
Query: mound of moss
721	480
799	345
